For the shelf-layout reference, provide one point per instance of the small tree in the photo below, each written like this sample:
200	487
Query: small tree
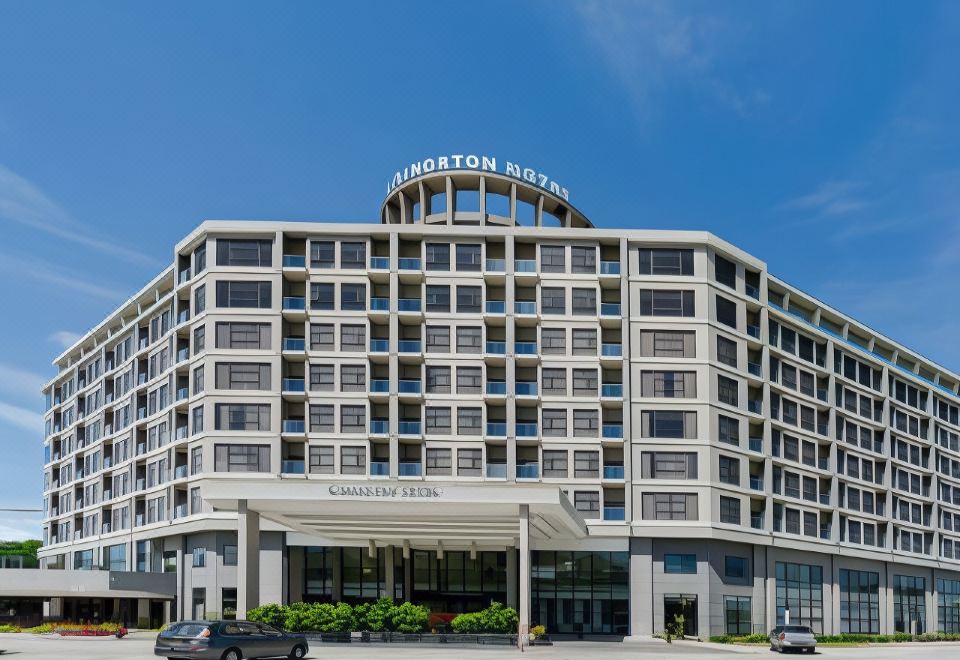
408	618
271	614
675	628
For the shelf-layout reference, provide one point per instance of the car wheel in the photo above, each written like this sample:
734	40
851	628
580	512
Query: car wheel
298	652
231	654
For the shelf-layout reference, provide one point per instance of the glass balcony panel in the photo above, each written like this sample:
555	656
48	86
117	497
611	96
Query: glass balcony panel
609	309
408	305
528	471
496	266
525	265
294	302
409	263
379	426
497	429
410	387
612	390
524	307
756	444
409	427
294	344
293	385
614	512
612	431
526	389
609	267
496	307
294	261
380	386
406	469
613	472
612	350
379	468
293	426
292	467
496	387
409	345
752	291
380	304
526	429
379	263
496	470
379	345
525	347
496	347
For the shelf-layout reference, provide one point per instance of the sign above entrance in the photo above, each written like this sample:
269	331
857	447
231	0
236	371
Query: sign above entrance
475	162
386	492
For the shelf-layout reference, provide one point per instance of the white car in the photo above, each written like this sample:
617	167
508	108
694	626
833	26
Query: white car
792	638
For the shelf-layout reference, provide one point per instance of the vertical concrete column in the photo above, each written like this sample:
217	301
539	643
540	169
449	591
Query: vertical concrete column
641	587
389	579
143	613
512	578
524	569
337	575
248	559
296	565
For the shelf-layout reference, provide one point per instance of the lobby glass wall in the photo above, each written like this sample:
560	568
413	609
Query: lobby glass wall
909	604
458	583
737	615
581	592
948	605
800	589
859	602
362	576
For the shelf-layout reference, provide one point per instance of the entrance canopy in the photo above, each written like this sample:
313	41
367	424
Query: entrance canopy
391	511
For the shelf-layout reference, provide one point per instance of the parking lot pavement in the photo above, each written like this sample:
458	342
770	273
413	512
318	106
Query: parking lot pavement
139	646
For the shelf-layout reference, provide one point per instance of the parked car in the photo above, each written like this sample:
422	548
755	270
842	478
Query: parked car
792	638
228	640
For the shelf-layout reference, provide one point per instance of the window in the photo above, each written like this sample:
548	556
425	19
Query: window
727	312
729	430
469	421
730	470
353	378
669	506
727	390
353	419
583	259
585	382
235	335
323	254
242	417
737	615
668	384
585	423
438	256
322	296
321	336
321	418
469	462
659	261
730	510
196	460
553	300
663	302
199	339
735	567
469	340
438	339
948	605
584	302
353	460
682	564
352	337
727	351
438	298
200	259
353	255
321	460
438	380
584	341
859	602
229	555
586	464
468	258
438	461
799	588
669	424
668	465
196	503
243	376
554	381
353	297
244	252
553	341
198	381
725	271
469	380
199	557
554	463
321	378
668	343
469	299
243	294
241	458
587	503
199	299
552	259
554	422
437	419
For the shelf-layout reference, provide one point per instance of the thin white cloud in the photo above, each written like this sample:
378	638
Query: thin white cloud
830	198
19	526
24	203
20	383
20	417
48	273
64	338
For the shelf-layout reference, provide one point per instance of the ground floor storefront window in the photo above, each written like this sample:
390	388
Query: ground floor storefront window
737	614
948	605
800	592
581	592
909	604
681	605
859	602
459	582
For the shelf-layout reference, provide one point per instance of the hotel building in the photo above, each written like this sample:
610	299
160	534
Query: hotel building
484	397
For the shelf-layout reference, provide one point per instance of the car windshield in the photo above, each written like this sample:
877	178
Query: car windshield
796	629
184	630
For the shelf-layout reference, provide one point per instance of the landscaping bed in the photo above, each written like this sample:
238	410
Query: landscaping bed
844	639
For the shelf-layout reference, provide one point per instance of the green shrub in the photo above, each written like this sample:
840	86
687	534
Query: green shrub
372	617
494	619
296	617
408	618
271	614
7	628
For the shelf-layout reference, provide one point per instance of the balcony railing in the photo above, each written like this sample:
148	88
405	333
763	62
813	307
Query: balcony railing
181	433
496	470
822	393
409	469
409	305
612	390
755	406
379	345
495	307
611	350
409	427
609	309
379	263
292	466
294	302
496	266
380	304
755	369
182	317
528	471
752	291
497	429
180	511
294	344
524	307
526	429
756	483
409	345
182	393
380	386
756	444
613	431
183	276
825	499
294	426
379	468
180	472
294	385
609	267
756	520
525	265
496	387
294	261
613	472
753	331
409	263
410	387
525	347
496	348
614	512
379	426
526	388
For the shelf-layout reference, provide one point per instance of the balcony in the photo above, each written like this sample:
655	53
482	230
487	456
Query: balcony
496	470
294	261
105	528
822	393
614	512
822	429
182	317
526	388
611	391
525	347
180	511
410	427
409	305
379	386
180	434
141	448
753	331
526	429
609	309
824	499
379	426
409	468
752	291
497	429
410	387
756	483
294	385
613	431
138	520
183	354
496	388
182	393
756	444
755	369
379	304
296	426
496	266
525	265
410	263
755	406
379	345
495	307
527	307
379	468
528	471
290	466
756	520
294	344
611	350
409	345
609	267
496	348
613	472
184	276
295	303
180	472
379	263
140	484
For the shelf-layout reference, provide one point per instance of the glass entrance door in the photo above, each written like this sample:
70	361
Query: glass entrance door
681	605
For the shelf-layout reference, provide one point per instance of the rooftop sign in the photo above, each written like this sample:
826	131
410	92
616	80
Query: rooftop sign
480	163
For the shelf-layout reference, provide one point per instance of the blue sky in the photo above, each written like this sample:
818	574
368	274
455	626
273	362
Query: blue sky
820	136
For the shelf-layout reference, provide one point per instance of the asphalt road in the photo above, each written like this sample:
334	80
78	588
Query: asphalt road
140	646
